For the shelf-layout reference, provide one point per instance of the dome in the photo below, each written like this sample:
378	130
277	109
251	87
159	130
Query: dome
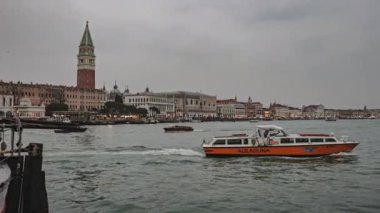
115	92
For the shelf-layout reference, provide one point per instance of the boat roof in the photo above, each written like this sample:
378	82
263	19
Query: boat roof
269	127
240	135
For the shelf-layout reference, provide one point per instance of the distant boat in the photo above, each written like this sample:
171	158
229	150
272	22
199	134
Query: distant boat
178	128
69	130
330	119
195	120
253	121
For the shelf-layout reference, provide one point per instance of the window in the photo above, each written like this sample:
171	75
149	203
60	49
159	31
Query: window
246	141
220	142
302	140
330	140
287	140
316	140
234	142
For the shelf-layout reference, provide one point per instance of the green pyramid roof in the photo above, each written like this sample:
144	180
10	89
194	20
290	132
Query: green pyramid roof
86	39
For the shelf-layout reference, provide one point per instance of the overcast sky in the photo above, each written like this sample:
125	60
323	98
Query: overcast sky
292	51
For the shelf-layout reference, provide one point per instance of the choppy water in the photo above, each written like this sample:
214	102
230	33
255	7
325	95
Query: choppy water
139	168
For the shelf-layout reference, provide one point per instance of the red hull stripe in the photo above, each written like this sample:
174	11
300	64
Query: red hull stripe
302	150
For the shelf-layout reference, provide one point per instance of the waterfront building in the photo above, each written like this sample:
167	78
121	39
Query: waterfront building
157	104
192	104
76	98
239	108
26	110
295	113
250	109
279	111
225	110
258	109
6	105
253	109
86	62
353	113
313	111
330	113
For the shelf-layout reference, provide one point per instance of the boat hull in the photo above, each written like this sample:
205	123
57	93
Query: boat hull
311	150
178	129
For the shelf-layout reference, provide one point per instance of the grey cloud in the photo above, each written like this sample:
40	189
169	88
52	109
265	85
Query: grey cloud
292	51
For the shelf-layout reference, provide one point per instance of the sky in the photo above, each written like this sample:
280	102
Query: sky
294	52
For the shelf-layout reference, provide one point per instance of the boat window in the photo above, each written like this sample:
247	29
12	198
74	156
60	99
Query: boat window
266	133
234	141
302	140
316	140
287	140
330	140
245	141
220	142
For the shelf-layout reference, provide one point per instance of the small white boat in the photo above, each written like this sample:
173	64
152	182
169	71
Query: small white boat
330	119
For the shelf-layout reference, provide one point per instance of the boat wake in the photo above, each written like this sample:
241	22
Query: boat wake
140	150
344	154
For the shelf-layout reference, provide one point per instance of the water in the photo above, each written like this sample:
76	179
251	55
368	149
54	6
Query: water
139	168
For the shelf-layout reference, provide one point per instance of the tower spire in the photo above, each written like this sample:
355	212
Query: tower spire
86	61
86	38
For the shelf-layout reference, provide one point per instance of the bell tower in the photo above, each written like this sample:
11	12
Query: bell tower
86	61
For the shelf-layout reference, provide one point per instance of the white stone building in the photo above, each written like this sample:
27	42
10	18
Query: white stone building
6	105
151	101
27	110
314	111
225	110
192	104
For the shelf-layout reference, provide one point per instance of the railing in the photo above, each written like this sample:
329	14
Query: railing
14	128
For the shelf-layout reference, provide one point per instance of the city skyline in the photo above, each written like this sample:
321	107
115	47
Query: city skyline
291	52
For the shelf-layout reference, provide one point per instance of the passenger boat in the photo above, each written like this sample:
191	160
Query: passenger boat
178	128
271	140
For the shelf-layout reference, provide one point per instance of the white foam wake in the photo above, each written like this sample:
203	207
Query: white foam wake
181	152
344	154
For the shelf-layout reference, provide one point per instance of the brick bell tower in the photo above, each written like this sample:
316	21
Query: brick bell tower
86	62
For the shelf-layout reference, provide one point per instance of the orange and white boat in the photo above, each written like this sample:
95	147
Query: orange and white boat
271	140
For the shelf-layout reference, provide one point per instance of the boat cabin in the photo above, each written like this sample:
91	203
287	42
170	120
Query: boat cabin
264	132
272	135
233	140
